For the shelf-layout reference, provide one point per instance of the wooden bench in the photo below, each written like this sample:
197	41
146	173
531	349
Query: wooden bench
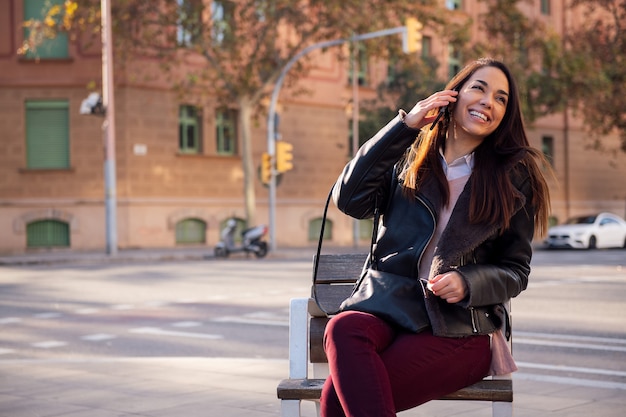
335	279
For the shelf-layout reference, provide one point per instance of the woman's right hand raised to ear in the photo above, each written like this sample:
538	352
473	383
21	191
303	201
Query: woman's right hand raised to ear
416	118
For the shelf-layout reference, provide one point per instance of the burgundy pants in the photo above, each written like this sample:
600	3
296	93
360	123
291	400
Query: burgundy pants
377	371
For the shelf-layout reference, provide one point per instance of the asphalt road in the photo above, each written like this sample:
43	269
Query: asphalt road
570	324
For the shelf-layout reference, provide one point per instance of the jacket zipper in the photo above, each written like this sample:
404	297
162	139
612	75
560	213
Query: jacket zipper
432	233
473	315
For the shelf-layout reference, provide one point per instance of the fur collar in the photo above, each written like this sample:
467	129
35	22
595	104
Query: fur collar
459	238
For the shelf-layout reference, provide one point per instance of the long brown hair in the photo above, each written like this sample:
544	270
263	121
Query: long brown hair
493	194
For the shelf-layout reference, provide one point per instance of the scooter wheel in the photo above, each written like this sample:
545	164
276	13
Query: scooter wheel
220	252
262	251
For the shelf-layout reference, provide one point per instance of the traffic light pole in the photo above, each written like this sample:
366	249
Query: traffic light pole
110	188
271	134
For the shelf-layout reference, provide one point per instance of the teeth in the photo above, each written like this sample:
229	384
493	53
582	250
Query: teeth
480	115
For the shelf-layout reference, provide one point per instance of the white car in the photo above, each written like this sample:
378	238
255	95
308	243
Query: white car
604	230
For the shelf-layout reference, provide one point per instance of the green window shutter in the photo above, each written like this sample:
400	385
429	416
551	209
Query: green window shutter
50	48
366	228
315	226
47	233
189	122
226	131
190	231
47	134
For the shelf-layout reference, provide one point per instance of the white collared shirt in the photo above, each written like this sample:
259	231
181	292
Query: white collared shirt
460	167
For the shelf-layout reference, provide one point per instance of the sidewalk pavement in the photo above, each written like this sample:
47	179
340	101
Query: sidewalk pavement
162	254
230	387
158	254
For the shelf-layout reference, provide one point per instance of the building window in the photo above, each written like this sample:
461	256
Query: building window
315	227
454	61
221	20
47	233
189	129
547	146
453	4
261	9
189	22
366	227
545	7
47	134
226	131
190	231
553	221
427	45
56	47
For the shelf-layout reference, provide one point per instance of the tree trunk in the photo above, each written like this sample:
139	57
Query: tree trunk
245	112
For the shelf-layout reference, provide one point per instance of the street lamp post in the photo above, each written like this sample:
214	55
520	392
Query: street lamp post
355	125
108	128
271	145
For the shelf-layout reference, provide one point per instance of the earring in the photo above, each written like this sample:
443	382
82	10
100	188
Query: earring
453	127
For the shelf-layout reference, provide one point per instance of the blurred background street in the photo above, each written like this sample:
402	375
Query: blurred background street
569	327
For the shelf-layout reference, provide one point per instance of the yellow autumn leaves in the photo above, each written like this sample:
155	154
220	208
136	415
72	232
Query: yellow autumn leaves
58	18
62	14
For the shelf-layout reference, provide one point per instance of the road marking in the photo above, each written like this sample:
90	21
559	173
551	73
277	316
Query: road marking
48	344
608	279
571	341
187	324
577	369
122	307
161	332
156	303
256	318
98	337
569	345
47	315
570	381
570	337
86	310
10	320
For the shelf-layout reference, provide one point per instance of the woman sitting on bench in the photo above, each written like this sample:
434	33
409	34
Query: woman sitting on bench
460	193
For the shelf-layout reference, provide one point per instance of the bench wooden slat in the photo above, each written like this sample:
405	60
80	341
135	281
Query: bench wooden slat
336	276
317	325
342	268
499	390
330	297
300	389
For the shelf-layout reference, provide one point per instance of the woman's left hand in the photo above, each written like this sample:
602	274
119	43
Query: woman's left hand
449	286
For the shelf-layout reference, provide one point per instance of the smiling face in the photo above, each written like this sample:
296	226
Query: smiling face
481	104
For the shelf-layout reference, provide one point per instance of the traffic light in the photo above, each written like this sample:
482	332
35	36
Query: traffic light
266	168
284	157
412	39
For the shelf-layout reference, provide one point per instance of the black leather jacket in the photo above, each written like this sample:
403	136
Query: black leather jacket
494	264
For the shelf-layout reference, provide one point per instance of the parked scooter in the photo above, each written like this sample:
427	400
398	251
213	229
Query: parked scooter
251	241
